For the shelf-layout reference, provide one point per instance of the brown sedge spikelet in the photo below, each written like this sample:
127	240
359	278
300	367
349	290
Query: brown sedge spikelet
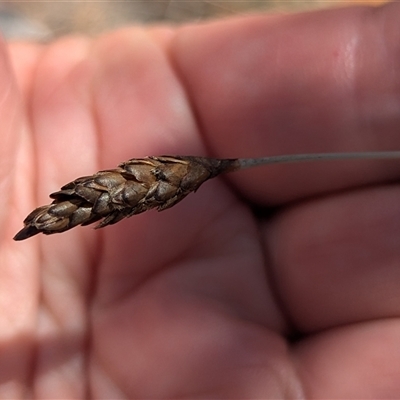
135	186
141	184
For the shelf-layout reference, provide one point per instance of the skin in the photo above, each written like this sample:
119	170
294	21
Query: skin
209	299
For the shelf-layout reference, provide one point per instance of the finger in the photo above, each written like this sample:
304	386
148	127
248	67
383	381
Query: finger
355	362
335	260
314	82
64	133
141	108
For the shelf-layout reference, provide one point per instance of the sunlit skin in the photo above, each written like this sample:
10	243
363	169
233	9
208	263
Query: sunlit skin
209	299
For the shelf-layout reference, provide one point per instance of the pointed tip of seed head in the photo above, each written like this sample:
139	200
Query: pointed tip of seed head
26	232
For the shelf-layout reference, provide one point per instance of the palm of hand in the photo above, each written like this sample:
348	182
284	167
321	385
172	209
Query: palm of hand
202	299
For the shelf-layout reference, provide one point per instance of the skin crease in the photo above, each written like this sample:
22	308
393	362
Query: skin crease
207	299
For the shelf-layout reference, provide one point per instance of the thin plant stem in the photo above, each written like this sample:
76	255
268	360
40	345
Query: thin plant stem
244	163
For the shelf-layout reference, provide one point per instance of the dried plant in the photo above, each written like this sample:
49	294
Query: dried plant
141	184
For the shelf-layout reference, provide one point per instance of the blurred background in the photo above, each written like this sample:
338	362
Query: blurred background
44	20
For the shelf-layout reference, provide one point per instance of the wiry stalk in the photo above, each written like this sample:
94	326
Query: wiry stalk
141	184
377	155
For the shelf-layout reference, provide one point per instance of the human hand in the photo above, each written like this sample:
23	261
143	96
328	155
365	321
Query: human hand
208	299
